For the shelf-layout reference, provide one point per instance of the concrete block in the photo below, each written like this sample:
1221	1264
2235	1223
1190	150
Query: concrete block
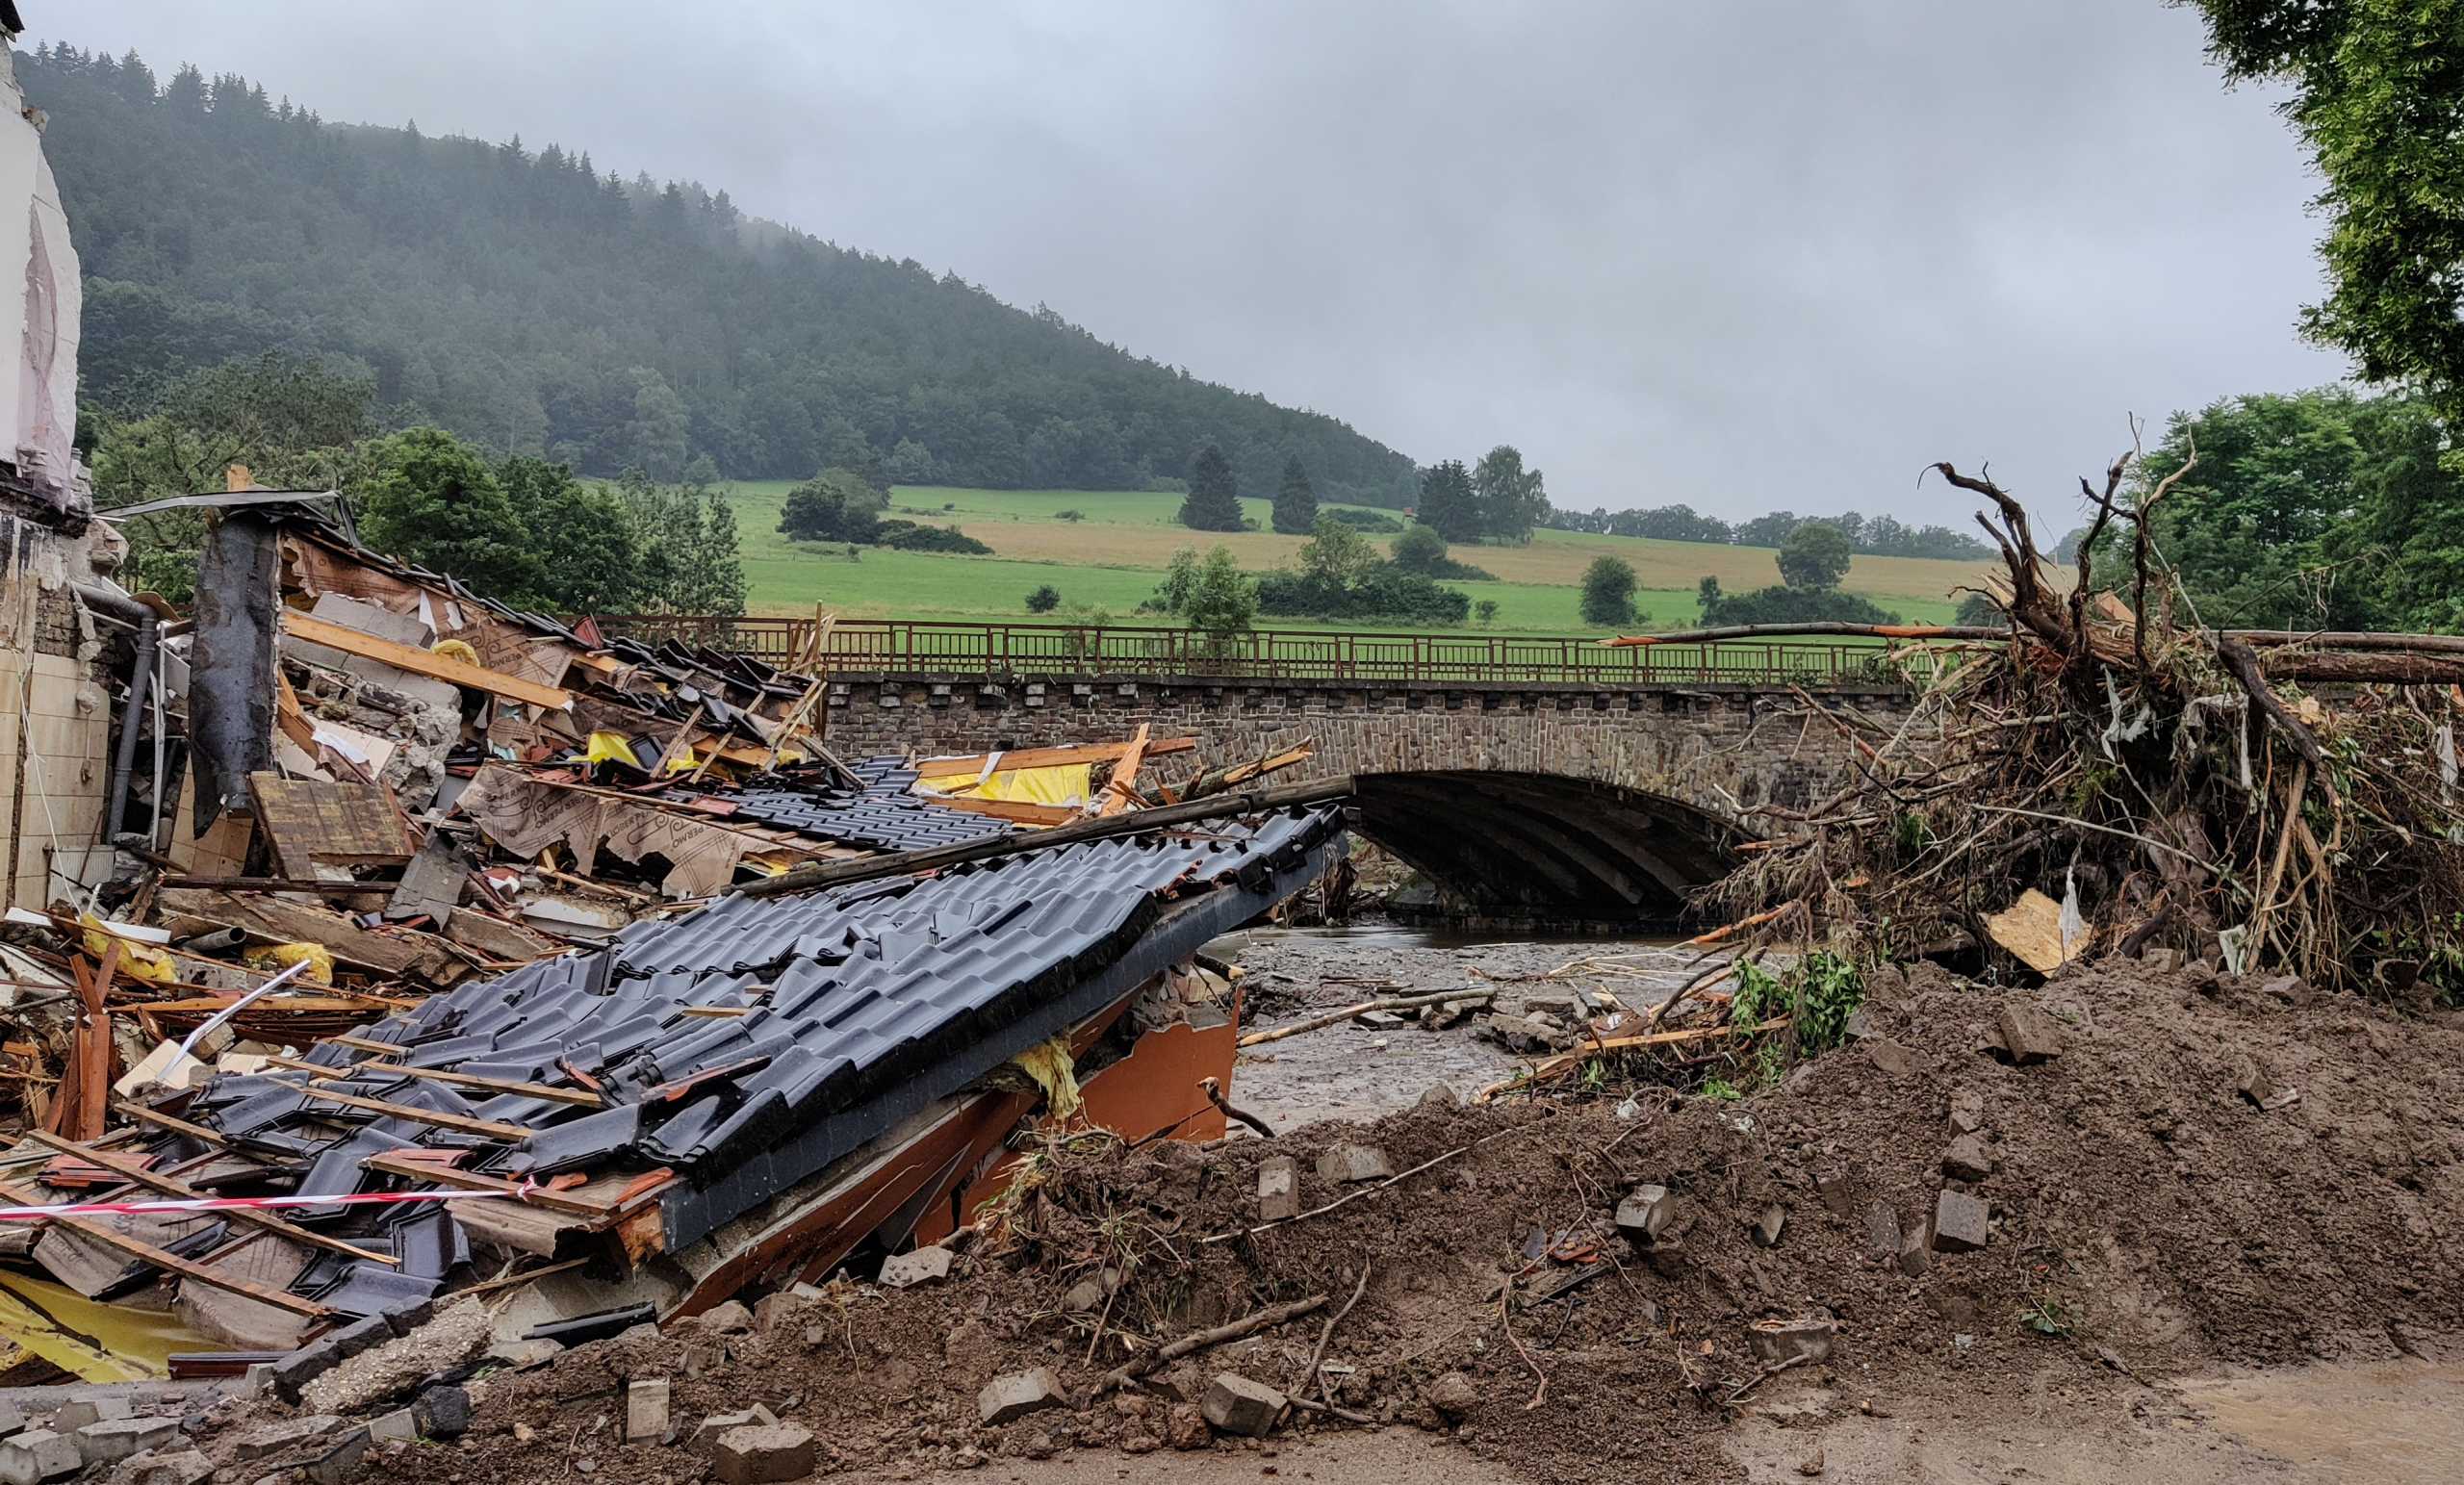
1235	1404
924	1265
400	1426
646	1410
177	1466
1019	1394
282	1437
39	1454
2030	1036
115	1439
522	1355
1351	1162
763	1455
12	1418
1968	1111
1958	1223
1882	1228
1778	1341
340	1459
1278	1189
705	1440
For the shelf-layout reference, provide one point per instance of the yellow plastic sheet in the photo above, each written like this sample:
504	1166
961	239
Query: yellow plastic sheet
1049	1064
1064	783
610	748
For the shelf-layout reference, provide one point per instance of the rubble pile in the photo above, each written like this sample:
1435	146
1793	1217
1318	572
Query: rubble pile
1919	1220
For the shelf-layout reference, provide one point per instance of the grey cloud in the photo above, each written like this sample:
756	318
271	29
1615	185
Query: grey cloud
1743	254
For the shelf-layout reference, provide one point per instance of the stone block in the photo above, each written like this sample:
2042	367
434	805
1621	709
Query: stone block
292	1375
340	1459
1958	1223
1774	1342
1768	1226
1352	1162
1017	1395
1968	1111
442	1413
1278	1189
705	1440
1235	1404
765	1454
78	1412
400	1426
2030	1036
1914	1255
1969	1159
1646	1212
115	1439
280	1437
646	1410
522	1355
39	1454
924	1265
728	1319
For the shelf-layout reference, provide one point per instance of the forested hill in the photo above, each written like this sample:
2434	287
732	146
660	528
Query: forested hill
523	299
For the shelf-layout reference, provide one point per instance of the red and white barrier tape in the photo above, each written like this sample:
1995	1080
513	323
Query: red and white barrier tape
250	1203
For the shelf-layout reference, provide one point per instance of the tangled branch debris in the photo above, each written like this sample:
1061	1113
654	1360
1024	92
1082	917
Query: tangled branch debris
2271	802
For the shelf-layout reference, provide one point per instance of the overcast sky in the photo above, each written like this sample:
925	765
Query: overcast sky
1744	254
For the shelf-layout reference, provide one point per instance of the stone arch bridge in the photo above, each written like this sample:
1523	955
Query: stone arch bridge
1521	800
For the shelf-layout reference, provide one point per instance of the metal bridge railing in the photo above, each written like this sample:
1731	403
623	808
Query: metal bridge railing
1001	651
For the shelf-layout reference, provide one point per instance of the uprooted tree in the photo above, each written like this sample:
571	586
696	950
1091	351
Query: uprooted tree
2277	802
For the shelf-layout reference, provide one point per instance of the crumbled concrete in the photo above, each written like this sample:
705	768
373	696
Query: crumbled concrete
1958	1223
522	1355
1235	1404
12	1418
906	1271
1185	1427
1350	1162
400	1426
1916	1251
1882	1228
728	1319
337	1463
281	1437
1967	1112
1891	1058
115	1439
39	1454
646	1404
1278	1189
379	1375
1019	1394
2030	1036
763	1455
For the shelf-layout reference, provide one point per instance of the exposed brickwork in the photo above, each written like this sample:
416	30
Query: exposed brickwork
1719	750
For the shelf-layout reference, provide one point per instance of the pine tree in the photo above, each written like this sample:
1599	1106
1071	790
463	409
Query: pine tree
1295	505
1449	504
1214	501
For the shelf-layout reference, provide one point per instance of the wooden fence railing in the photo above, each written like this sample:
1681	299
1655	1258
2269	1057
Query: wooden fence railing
999	651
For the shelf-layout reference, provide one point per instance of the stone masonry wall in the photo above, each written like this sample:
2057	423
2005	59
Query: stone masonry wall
1720	749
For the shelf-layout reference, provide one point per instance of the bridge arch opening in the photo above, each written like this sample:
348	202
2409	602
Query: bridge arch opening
1545	847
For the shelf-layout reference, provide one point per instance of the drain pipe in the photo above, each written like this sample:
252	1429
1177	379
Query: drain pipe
149	635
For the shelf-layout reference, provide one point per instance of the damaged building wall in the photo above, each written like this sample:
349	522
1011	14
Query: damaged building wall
55	720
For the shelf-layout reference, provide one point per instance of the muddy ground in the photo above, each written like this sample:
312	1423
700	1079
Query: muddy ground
2180	1282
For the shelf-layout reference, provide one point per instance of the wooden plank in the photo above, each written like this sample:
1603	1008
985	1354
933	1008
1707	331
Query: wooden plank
423	662
311	820
1120	790
130	1170
214	1138
473	1181
363	1045
1016	811
453	1121
1047	758
172	1263
563	1095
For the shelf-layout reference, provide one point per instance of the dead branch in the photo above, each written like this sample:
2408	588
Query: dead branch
1354	1013
1309	1379
1197	1341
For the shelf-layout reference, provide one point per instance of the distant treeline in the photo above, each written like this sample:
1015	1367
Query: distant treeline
1873	536
535	305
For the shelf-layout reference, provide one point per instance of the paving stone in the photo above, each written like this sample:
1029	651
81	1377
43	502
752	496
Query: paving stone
339	1460
78	1412
1916	1253
906	1271
115	1439
705	1440
647	1405
765	1454
39	1454
1019	1394
400	1426
1646	1212
1958	1223
1968	1111
1882	1228
277	1438
176	1466
2030	1036
1768	1227
1350	1162
1235	1404
1969	1159
1278	1189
